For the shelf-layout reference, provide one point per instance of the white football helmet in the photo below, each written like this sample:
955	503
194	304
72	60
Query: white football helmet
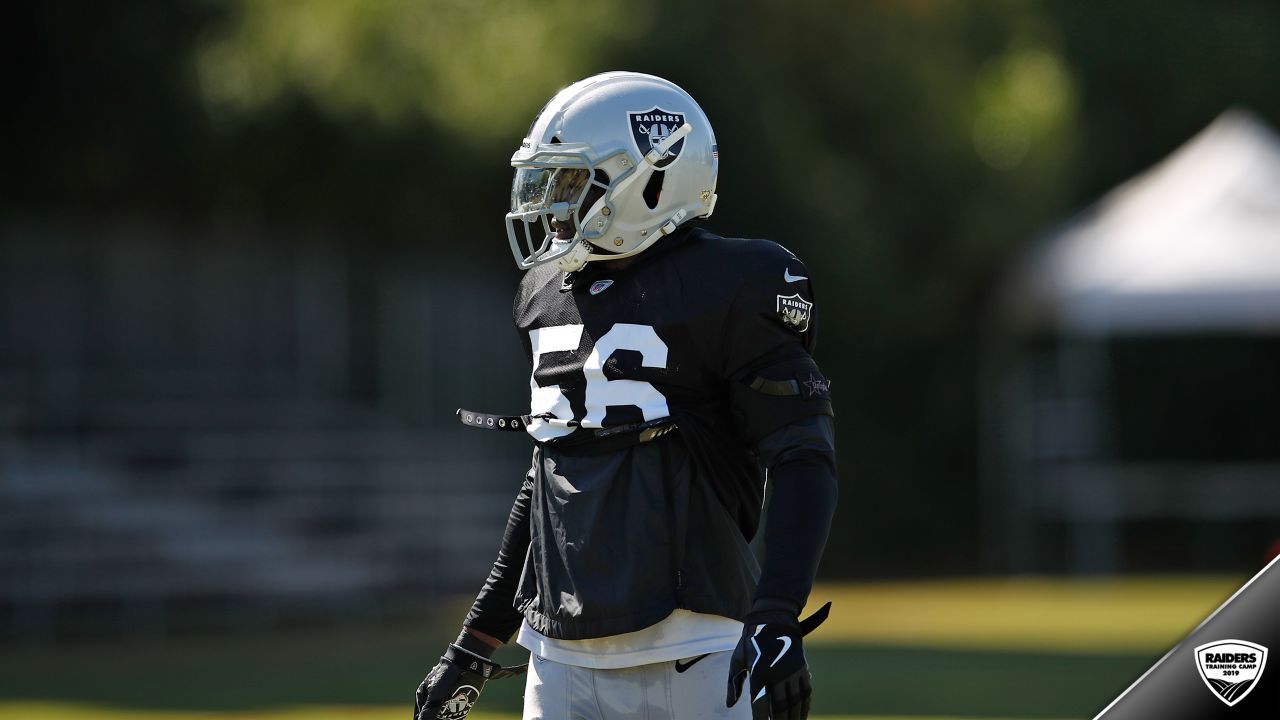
611	164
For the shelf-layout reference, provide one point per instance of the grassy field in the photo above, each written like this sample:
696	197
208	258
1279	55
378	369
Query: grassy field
975	649
1106	615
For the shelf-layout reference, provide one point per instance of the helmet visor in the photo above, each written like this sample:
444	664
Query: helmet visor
539	188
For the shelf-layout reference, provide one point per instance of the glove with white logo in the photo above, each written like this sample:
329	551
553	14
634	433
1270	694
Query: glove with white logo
451	688
771	654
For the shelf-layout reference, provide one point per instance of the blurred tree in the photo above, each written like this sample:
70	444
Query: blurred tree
904	150
907	150
474	67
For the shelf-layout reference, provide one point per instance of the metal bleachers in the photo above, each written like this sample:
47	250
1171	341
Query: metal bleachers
148	485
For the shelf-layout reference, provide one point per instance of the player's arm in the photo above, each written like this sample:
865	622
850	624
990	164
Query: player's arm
800	457
801	462
493	614
782	404
465	666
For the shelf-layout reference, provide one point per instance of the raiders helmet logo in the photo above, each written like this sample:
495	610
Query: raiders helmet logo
650	127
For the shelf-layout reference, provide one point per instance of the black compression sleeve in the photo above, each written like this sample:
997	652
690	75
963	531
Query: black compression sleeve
494	612
802	470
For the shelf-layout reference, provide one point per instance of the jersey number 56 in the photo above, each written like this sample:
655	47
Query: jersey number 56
601	393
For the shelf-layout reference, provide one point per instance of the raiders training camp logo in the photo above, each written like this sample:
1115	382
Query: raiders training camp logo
650	127
795	311
457	707
1230	668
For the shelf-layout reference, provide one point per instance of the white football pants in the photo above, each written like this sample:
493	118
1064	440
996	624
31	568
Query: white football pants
646	692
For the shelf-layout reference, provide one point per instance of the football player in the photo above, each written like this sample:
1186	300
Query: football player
670	369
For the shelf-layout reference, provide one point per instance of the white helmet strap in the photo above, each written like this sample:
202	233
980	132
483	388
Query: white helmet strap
650	161
576	258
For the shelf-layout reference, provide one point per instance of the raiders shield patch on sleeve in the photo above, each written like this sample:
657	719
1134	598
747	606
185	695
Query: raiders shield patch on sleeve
795	311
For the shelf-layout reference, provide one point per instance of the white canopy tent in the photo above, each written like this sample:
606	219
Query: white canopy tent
1191	246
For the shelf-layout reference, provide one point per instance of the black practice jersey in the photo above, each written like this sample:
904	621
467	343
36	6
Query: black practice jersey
714	333
714	336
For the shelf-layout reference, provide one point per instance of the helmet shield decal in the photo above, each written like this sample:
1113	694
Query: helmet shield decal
650	127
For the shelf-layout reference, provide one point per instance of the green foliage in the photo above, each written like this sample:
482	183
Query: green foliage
907	150
474	67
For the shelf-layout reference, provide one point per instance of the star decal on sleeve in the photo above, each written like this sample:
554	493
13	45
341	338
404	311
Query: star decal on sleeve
816	386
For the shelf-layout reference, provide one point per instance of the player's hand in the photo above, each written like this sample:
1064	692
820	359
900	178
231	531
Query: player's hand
452	687
771	655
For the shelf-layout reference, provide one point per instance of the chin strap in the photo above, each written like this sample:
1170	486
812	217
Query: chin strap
573	260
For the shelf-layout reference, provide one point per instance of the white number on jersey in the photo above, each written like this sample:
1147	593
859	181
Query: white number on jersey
601	392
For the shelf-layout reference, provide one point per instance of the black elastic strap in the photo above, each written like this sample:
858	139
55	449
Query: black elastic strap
812	622
617	437
484	667
489	421
779	388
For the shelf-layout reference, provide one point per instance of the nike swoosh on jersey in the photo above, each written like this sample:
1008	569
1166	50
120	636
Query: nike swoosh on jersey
786	275
681	668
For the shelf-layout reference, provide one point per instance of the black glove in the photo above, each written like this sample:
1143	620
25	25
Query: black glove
451	688
772	655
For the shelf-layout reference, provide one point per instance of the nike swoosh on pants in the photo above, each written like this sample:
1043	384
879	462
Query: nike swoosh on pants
681	668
